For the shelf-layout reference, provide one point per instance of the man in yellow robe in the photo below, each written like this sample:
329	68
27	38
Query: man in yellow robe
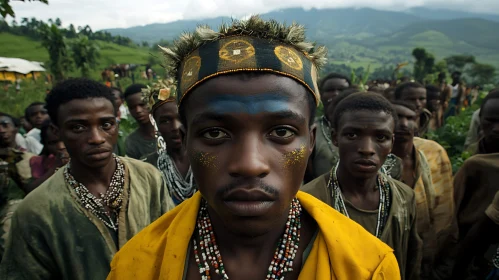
247	95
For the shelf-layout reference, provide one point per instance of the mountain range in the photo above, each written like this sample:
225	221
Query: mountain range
362	37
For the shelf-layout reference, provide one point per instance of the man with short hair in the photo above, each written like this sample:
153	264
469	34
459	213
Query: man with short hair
247	95
416	174
15	174
325	155
36	115
362	130
119	99
142	141
171	158
16	157
475	186
71	226
415	93
488	114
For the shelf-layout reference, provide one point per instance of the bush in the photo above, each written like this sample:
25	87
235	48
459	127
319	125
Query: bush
453	135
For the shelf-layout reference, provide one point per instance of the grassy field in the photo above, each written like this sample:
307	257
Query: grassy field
14	103
110	53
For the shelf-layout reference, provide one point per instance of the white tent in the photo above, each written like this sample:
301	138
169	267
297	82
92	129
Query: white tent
14	68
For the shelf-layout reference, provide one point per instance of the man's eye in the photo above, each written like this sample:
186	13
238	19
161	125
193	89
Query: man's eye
107	125
215	134
381	137
282	133
351	135
78	128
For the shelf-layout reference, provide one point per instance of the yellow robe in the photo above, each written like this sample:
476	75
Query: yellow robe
341	250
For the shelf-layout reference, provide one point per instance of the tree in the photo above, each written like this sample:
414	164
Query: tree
458	62
85	54
55	43
482	73
424	64
6	8
145	44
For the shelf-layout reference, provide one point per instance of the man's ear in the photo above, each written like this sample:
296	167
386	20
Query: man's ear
334	137
313	137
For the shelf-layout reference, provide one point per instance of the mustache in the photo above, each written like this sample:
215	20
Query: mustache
244	183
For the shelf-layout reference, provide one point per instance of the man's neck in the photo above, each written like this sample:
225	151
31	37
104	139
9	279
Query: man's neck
355	186
146	130
95	180
177	154
403	149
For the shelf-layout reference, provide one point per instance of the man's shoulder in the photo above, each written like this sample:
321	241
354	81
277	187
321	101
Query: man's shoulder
405	192
143	172
317	187
140	166
347	238
38	202
425	144
480	161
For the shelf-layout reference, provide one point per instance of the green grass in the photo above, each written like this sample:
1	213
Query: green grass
110	53
22	47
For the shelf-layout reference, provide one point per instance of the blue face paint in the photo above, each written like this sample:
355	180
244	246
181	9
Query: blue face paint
253	104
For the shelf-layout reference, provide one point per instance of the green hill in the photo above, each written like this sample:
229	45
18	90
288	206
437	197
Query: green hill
363	37
110	53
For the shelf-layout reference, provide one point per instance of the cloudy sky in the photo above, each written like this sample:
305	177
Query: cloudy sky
100	14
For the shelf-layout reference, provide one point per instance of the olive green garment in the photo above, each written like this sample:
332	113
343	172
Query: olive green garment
325	154
54	237
5	221
400	232
137	147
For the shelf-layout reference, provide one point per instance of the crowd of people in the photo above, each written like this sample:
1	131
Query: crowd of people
230	172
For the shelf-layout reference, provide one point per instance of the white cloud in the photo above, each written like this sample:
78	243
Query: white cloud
101	14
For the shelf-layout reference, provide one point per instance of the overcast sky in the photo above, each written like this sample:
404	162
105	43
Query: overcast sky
100	14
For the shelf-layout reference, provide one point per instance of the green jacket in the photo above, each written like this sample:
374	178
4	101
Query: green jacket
54	237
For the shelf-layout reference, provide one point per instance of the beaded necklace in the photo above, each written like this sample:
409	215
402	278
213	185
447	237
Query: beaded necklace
208	255
325	123
179	187
113	197
384	199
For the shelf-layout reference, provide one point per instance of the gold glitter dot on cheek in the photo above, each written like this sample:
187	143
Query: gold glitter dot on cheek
294	157
205	159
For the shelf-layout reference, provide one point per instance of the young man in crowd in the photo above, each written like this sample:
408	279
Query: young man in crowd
363	127
487	131
415	93
171	158
249	134
36	115
416	174
15	174
325	154
119	99
71	226
142	141
475	186
16	157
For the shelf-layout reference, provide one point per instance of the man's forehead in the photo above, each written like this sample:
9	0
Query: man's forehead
37	108
414	91
268	102
361	118
6	120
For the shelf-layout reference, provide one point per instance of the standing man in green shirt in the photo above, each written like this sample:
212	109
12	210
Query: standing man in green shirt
142	142
71	226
